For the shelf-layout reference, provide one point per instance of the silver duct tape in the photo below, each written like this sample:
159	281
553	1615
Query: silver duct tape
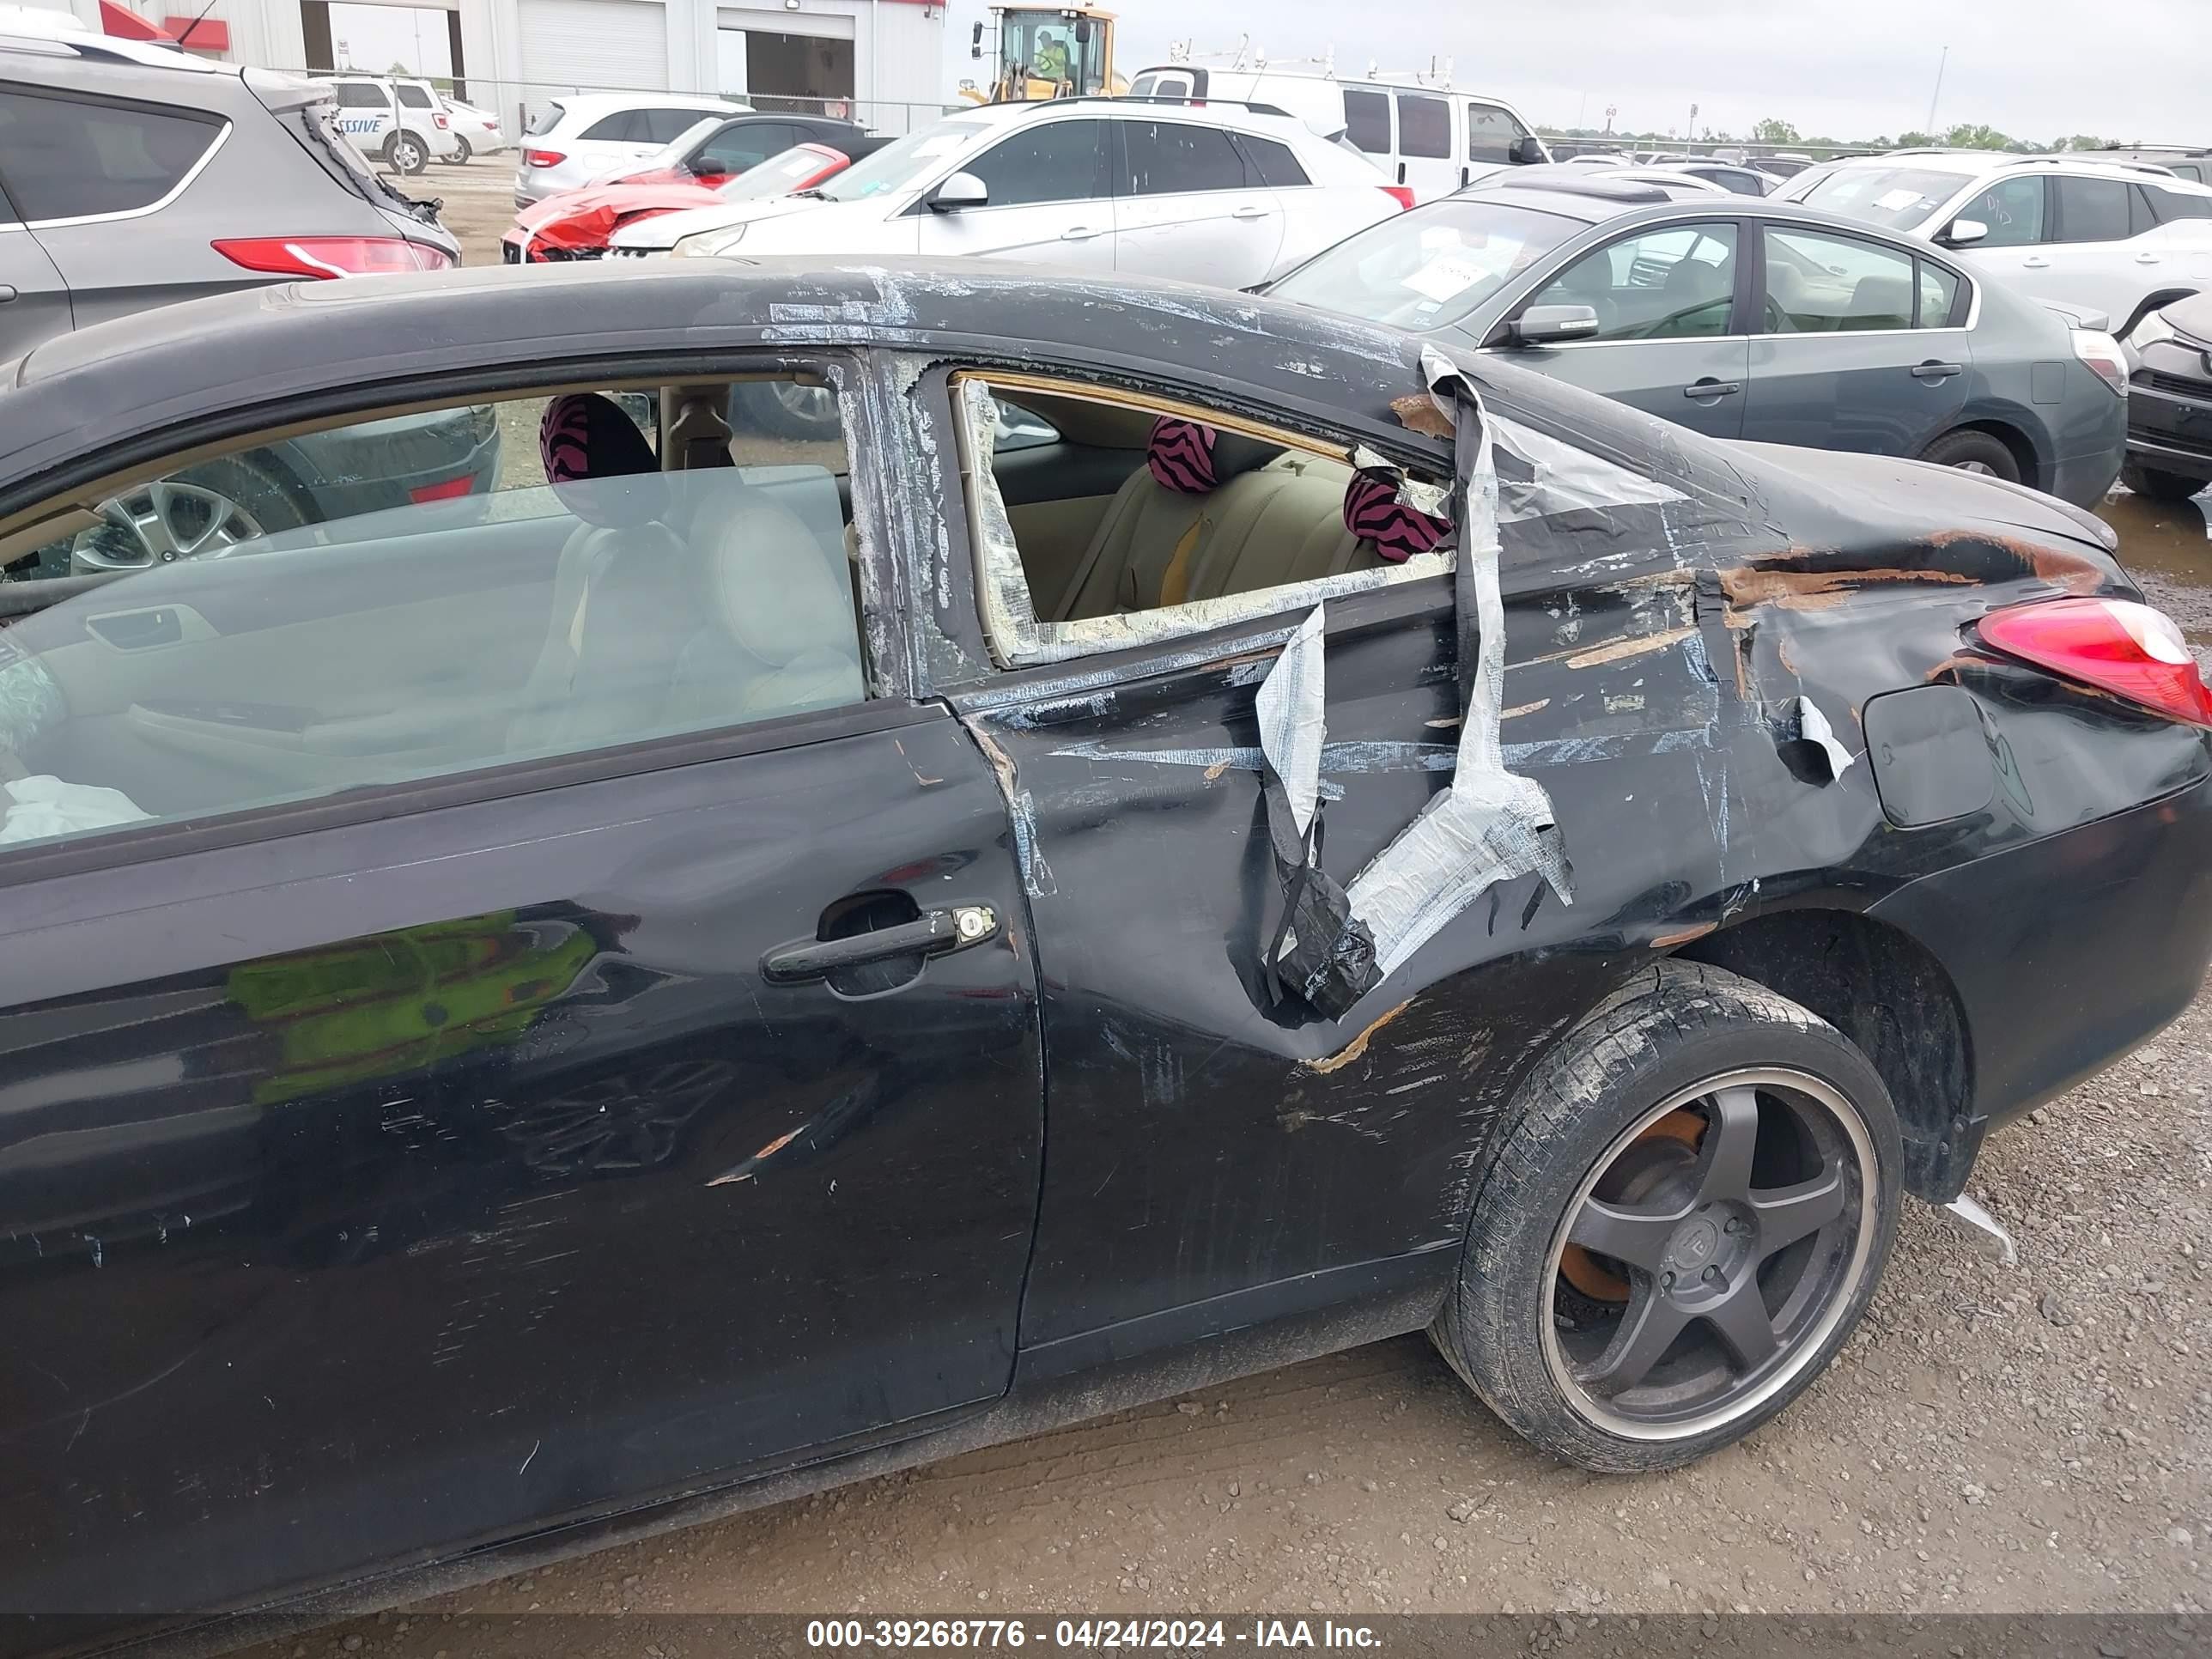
1567	479
1291	705
1490	825
1435	500
1008	610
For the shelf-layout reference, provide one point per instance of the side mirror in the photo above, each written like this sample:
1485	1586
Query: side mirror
1083	31
965	189
1528	150
1962	233
976	42
1549	324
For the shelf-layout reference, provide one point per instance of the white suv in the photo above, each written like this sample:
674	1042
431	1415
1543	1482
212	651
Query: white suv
1219	195
572	141
2094	235
401	124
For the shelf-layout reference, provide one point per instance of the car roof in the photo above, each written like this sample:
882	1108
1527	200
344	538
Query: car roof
1596	208
1379	81
1205	111
46	32
1981	163
89	392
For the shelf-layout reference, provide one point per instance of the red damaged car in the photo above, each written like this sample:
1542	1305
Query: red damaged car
577	223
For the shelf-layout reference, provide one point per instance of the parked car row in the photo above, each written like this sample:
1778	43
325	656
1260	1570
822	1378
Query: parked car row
407	123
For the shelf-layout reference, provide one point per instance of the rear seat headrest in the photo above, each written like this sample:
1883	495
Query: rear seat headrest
1192	460
1373	513
584	437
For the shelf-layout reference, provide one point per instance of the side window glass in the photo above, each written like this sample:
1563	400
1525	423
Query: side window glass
1672	283
414	97
666	126
1057	162
353	94
2093	210
743	148
1273	164
63	158
1817	284
2190	170
2013	210
2179	204
1367	120
1424	127
424	594
1939	293
1174	158
1490	134
1151	509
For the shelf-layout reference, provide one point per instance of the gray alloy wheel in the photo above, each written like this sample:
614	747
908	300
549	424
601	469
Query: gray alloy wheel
1725	1290
1686	1208
160	522
461	151
405	153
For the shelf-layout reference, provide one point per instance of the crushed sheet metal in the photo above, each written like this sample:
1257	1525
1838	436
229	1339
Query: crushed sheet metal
1816	730
1490	825
1020	640
1290	705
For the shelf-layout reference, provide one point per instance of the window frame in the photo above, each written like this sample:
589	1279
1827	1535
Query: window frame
1966	303
1742	301
2055	211
1102	177
1119	172
1014	644
221	126
888	637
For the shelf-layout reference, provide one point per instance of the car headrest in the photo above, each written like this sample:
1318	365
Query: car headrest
1694	279
583	437
1373	513
1192	460
774	586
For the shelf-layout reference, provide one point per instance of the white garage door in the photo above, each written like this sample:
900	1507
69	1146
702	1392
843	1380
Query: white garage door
587	44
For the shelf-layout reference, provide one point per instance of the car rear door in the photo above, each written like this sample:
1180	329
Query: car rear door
1186	204
1047	200
1855	346
565	1036
1428	144
1668	297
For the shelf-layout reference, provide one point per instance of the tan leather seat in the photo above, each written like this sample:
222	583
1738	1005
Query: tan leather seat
1283	523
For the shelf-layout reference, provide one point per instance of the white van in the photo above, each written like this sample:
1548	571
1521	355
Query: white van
401	125
1431	139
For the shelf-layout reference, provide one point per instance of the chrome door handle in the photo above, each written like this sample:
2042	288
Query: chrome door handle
2146	258
1079	234
1936	371
1249	211
1709	388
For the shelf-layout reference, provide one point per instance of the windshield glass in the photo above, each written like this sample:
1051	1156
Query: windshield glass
1044	48
909	159
779	175
1430	268
1896	198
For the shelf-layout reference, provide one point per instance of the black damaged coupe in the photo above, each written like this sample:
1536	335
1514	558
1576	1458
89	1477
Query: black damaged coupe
1178	834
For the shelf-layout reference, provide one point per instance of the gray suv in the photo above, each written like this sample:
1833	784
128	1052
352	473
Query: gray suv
1749	318
134	175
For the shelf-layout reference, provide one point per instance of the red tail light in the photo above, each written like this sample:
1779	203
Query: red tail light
443	122
2116	645
331	256
1402	194
451	489
542	158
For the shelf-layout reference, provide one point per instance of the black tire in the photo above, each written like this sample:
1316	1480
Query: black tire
461	151
1510	1326
406	152
1974	451
756	404
2158	486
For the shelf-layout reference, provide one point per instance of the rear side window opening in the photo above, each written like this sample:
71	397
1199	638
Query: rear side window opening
544	121
1367	120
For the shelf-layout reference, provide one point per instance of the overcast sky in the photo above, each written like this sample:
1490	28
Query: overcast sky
1851	69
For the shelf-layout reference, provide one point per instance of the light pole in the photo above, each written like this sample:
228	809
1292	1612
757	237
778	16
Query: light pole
1690	132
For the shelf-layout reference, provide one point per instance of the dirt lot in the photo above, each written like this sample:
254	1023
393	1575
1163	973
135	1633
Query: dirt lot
1992	1439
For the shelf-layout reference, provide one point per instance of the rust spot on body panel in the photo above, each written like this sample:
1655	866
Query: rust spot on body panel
1683	936
1352	1050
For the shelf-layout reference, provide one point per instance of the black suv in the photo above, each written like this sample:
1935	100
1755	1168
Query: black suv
2170	401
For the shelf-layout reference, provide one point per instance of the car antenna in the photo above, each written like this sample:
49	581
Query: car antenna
194	25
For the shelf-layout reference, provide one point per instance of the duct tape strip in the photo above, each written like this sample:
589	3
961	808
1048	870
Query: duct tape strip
1432	500
1291	705
1490	825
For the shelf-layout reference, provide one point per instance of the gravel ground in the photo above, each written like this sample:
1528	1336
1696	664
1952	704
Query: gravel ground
1992	1440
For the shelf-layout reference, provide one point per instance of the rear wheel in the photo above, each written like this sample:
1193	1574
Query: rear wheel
2159	486
1688	1211
461	151
404	152
1974	451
